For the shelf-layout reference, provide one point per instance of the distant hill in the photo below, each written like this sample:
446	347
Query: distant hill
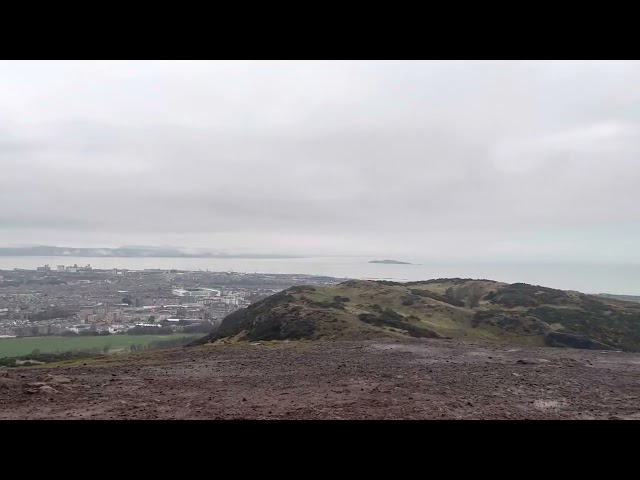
157	252
391	262
456	308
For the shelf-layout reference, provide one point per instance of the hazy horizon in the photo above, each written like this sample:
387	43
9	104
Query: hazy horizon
414	259
587	277
456	160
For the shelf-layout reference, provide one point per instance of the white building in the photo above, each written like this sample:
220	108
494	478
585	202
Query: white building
196	292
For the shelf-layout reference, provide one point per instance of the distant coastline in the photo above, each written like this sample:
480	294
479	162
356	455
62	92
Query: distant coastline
391	262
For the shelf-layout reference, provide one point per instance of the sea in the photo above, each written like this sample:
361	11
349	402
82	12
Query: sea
615	278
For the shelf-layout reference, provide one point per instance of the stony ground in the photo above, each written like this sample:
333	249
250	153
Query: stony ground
429	379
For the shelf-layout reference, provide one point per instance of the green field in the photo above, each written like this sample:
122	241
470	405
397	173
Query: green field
13	347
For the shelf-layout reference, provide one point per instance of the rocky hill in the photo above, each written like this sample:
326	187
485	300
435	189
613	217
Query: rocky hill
455	308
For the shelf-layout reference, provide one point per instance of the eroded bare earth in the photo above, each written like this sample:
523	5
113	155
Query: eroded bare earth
428	379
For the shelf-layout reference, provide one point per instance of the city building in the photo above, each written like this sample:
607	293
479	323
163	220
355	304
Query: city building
196	292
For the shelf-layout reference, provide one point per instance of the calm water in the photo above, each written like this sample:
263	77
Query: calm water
595	278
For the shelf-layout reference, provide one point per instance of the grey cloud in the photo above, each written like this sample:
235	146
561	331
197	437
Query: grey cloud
8	222
429	158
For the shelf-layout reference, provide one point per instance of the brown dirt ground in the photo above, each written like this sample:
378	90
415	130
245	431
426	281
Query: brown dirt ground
427	379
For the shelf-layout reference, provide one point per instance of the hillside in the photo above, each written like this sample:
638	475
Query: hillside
452	308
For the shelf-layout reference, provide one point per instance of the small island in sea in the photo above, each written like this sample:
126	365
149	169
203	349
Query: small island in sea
391	262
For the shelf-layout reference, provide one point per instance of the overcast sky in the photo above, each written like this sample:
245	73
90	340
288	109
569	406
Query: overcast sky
419	159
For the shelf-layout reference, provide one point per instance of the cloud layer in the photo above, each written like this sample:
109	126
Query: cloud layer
423	159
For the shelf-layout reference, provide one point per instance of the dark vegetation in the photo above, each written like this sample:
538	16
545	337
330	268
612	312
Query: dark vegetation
324	304
286	328
302	289
557	339
436	296
620	329
524	295
274	318
140	330
510	321
409	300
390	318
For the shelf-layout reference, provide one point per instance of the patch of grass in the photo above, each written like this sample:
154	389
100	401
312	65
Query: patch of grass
302	289
15	347
44	358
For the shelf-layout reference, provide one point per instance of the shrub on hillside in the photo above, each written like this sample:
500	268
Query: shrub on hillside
436	296
524	295
390	318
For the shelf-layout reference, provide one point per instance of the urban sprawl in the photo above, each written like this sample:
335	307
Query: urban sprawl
68	300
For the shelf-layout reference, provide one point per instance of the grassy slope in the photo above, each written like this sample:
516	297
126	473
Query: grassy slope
12	347
456	308
443	318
